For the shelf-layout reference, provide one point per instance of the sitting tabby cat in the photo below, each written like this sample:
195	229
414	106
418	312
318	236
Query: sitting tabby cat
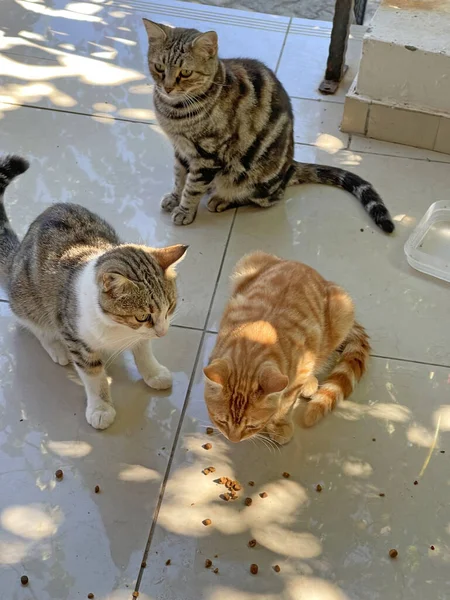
231	125
280	328
80	291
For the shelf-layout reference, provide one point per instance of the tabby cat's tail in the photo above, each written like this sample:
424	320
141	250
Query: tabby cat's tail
358	187
343	378
10	167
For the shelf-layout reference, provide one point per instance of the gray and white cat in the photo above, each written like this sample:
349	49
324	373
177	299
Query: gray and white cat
231	125
82	292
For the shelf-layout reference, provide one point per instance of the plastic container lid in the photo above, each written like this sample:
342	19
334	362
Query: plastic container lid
428	247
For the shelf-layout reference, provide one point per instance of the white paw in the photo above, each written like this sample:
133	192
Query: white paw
181	216
58	352
216	204
169	202
161	381
101	415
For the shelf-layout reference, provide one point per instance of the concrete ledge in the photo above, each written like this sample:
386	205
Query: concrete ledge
392	122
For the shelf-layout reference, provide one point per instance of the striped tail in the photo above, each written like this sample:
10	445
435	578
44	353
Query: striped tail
358	187
343	378
10	167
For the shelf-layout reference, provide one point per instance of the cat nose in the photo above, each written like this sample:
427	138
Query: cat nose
169	88
161	330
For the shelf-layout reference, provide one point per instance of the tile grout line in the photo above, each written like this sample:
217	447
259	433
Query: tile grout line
411	360
283	45
183	413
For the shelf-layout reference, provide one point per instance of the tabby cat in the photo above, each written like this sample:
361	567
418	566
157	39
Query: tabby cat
231	124
281	327
81	291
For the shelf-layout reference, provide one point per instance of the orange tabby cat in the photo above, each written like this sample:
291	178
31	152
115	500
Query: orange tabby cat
280	327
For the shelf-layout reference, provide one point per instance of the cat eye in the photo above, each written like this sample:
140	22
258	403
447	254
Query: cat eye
145	319
252	427
159	67
185	73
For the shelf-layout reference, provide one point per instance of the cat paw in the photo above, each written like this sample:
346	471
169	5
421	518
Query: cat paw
161	381
310	387
58	352
217	204
169	202
180	216
281	433
101	415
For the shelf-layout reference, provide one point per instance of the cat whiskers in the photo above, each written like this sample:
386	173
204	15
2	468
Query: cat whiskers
129	342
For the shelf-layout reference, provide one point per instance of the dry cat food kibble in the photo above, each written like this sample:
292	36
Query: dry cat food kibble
416	482
90	596
264	494
248	501
254	569
97	489
252	543
318	488
168	561
382	495
207	446
135	594
277	568
216	570
226	497
251	483
432	548
24	580
393	553
208	563
209	470
209	430
207	522
59	474
286	475
143	564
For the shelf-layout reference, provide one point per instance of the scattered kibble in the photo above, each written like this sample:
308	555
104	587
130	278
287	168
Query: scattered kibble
236	486
252	543
97	489
432	548
207	522
382	495
286	475
135	594
318	488
216	556
207	446
90	596
226	497
143	564
277	568
374	439
216	570
208	563
416	482
251	483
209	470
248	501
59	475
254	569
264	494
209	430
393	553
24	580
442	451
362	230
168	561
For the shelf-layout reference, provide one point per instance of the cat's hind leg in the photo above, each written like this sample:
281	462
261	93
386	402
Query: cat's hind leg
51	343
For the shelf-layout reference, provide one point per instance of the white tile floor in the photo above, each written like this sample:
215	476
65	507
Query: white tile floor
72	78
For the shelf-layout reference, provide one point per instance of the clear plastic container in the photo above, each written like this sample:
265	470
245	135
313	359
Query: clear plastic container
428	247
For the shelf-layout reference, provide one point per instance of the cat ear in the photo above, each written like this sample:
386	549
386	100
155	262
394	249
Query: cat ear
170	256
116	285
217	372
206	44
155	31
271	379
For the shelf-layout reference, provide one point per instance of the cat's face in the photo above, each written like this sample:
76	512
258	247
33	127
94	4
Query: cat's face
137	287
241	406
182	62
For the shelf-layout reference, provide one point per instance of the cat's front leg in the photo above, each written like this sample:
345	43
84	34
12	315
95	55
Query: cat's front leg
100	412
172	200
200	177
153	373
281	431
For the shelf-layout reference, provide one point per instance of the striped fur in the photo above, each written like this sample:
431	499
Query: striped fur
231	125
280	329
81	292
